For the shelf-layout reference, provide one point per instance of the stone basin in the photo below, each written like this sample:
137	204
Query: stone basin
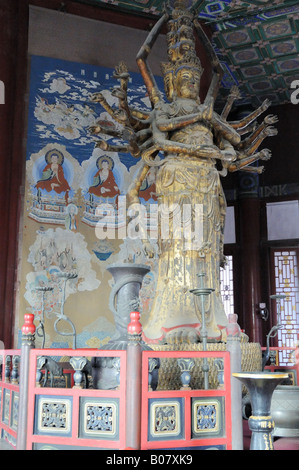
285	411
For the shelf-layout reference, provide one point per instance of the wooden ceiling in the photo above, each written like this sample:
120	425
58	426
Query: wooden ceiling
256	41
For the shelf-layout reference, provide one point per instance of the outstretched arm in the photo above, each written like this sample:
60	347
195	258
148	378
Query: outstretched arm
121	73
260	133
142	56
216	66
165	124
233	95
251	117
244	160
118	115
133	146
160	142
253	169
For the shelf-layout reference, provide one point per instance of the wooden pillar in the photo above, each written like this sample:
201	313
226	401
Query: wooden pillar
249	204
13	74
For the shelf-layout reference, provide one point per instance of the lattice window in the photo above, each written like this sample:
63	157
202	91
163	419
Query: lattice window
286	283
227	286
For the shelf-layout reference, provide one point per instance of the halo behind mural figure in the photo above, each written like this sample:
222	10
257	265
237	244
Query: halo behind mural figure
53	174
53	178
104	184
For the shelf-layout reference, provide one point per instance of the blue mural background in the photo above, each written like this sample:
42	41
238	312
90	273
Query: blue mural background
60	108
59	215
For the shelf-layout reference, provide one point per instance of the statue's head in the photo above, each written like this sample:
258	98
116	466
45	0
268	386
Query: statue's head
183	71
186	81
182	78
181	5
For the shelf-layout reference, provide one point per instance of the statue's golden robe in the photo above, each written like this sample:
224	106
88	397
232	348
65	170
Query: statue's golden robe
184	183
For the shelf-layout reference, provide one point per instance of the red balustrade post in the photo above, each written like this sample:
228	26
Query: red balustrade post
28	343
133	391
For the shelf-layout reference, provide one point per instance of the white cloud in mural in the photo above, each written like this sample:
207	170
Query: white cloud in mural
68	75
58	85
82	141
146	102
46	134
111	100
58	250
68	132
83	93
74	96
48	76
69	121
91	85
133	98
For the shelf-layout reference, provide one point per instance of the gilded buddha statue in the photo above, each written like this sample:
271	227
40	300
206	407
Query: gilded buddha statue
192	138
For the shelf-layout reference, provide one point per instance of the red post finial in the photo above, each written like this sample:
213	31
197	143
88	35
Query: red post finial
135	327
28	328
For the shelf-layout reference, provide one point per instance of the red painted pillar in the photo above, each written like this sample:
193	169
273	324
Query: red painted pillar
249	205
13	73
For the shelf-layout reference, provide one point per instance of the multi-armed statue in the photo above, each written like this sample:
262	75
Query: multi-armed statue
190	137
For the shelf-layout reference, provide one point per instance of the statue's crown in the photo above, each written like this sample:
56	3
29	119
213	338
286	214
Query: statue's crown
180	40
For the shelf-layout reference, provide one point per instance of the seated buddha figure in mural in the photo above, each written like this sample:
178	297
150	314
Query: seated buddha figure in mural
104	184
53	178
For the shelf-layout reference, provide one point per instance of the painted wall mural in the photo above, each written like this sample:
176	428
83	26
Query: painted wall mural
67	179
